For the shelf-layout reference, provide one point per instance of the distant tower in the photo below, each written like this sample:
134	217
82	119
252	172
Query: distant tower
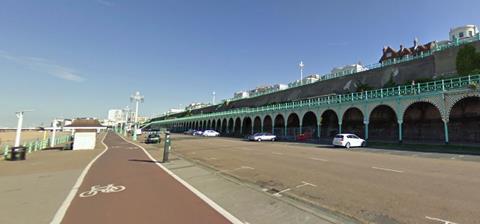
213	98
301	65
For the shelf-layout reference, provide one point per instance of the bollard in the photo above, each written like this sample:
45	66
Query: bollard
166	147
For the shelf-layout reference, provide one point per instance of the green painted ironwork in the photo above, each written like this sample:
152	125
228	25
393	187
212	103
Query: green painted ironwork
389	62
398	92
37	145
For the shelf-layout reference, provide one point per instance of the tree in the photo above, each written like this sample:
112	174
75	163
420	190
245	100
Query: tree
363	87
467	60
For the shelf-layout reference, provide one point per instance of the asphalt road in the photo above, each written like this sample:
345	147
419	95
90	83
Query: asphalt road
139	192
371	186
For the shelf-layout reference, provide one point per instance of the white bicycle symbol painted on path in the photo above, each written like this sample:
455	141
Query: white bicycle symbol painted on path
104	189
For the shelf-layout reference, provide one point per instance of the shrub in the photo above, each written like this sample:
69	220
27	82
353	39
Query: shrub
468	60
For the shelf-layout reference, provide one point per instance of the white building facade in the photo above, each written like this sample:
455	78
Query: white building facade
463	32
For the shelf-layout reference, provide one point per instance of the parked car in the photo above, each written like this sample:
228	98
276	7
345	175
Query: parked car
153	138
197	133
210	133
348	140
189	132
262	137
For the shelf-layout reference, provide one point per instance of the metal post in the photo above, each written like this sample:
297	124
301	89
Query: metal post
445	127
318	129
54	125
400	136
366	129
19	128
166	147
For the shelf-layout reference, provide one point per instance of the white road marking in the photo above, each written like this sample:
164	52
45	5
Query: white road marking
104	189
63	208
212	158
386	169
318	159
207	200
440	220
305	184
277	153
278	194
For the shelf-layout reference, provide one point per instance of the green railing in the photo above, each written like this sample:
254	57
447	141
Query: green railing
37	145
389	62
398	91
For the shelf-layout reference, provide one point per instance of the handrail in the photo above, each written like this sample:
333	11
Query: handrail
369	67
389	62
403	90
36	145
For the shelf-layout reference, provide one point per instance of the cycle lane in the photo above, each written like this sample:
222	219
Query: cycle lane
150	196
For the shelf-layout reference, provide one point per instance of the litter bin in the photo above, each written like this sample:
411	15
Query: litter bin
18	153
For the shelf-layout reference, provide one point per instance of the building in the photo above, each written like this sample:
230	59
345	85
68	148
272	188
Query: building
278	87
85	133
116	116
349	69
194	106
390	54
241	94
463	32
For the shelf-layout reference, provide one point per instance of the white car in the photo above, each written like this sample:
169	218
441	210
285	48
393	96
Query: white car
210	133
348	140
262	137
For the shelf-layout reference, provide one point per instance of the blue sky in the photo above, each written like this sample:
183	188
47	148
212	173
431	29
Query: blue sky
66	58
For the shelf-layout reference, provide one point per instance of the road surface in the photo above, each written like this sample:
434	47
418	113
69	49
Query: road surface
373	187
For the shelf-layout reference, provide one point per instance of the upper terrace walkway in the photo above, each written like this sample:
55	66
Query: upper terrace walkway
438	111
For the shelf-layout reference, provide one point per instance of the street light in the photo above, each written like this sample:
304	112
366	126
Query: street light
301	65
127	112
19	126
213	98
137	98
54	126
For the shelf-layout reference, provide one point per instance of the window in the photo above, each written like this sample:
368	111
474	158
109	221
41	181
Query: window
460	34
470	33
389	54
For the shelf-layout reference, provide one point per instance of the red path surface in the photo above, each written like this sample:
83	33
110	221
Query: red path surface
151	195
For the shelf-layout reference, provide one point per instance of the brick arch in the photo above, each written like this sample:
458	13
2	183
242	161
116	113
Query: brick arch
453	99
342	110
371	107
434	102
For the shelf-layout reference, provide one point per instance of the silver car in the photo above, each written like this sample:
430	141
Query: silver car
262	137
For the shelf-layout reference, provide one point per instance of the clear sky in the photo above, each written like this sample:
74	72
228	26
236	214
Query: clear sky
67	58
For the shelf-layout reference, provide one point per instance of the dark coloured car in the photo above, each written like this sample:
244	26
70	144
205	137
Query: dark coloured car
153	139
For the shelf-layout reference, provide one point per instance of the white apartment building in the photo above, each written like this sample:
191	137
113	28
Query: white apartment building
348	69
463	32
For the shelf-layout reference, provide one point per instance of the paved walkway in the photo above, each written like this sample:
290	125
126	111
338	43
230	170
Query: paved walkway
141	192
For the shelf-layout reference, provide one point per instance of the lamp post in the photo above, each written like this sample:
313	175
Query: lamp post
301	65
54	126
127	112
19	126
137	98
